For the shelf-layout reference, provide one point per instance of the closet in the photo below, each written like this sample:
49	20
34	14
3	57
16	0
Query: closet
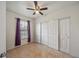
55	34
47	33
44	33
64	28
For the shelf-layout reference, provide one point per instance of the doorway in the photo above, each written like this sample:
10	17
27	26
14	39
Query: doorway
64	35
44	33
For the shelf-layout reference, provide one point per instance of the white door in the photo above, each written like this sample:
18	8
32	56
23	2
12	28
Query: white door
64	35
53	34
44	33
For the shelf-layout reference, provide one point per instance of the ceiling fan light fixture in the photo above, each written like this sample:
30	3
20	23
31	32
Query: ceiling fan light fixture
37	9
37	12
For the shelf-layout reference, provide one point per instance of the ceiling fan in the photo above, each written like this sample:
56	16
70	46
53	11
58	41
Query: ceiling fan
37	9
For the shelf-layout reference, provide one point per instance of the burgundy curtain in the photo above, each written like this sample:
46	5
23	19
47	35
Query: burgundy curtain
29	33
17	37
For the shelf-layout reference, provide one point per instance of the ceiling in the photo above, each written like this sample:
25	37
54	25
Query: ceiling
20	6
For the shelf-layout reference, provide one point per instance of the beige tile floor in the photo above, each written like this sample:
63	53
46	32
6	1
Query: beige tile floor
35	50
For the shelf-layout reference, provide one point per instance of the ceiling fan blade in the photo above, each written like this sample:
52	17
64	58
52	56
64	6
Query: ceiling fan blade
36	4
30	9
34	13
44	8
41	13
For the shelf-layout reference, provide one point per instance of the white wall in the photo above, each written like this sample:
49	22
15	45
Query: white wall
37	32
73	13
32	29
11	28
2	27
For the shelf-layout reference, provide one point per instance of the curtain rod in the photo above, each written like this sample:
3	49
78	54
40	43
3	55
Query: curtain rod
21	19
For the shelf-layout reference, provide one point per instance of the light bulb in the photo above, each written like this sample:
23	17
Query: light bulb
37	12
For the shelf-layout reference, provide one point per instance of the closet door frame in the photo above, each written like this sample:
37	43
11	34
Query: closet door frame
41	31
59	40
53	31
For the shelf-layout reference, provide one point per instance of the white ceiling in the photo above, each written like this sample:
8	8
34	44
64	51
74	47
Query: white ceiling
20	6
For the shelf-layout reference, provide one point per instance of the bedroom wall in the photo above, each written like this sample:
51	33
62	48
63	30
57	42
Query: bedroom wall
72	12
11	28
2	27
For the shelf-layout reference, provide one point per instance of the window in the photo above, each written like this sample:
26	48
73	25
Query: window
23	29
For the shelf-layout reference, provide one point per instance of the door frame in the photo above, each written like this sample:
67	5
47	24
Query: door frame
63	18
41	31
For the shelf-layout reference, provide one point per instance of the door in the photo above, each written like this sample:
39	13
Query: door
44	33
64	35
53	34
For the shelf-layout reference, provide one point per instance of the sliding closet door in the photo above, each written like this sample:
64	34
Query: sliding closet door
64	35
53	34
44	33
